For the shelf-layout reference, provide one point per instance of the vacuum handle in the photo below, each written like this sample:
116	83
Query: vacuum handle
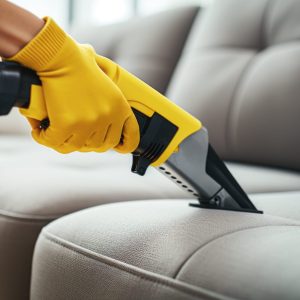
156	132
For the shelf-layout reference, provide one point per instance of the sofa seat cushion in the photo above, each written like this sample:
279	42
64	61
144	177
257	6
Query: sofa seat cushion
37	182
39	185
166	249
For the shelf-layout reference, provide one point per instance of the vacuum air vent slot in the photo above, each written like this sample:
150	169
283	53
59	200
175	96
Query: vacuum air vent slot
178	180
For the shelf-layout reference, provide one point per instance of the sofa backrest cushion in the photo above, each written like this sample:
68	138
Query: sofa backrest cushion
148	46
240	74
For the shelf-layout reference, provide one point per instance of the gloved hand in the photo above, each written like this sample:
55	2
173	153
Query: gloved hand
87	111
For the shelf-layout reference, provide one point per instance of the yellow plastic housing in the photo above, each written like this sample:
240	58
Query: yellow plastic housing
147	100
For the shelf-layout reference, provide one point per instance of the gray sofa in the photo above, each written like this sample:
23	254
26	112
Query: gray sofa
234	65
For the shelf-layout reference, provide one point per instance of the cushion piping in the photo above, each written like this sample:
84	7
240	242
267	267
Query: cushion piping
26	218
224	236
136	271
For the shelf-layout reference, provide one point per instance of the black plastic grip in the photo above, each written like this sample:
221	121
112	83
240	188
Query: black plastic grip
156	133
15	86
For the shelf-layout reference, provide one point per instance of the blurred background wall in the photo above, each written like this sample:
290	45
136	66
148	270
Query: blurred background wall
97	12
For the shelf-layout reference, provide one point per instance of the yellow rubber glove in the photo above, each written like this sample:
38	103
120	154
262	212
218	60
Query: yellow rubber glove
87	111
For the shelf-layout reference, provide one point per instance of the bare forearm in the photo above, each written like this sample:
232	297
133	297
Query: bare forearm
17	28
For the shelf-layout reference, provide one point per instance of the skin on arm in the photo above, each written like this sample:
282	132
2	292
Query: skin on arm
17	28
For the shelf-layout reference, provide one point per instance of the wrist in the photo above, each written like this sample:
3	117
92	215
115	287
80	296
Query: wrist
17	28
43	48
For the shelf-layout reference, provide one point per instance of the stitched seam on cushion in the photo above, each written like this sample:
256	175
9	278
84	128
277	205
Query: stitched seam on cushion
182	51
135	271
269	7
229	136
221	237
263	35
26	218
228	126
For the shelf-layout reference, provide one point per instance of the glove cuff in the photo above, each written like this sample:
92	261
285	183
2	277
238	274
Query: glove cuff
43	48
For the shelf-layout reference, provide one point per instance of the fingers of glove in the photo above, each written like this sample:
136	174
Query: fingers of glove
52	137
78	140
66	148
107	66
37	108
70	145
35	124
112	138
131	136
96	140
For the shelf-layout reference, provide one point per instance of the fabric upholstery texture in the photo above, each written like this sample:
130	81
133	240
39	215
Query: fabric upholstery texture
53	185
38	185
64	184
165	249
262	179
251	104
244	86
93	253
